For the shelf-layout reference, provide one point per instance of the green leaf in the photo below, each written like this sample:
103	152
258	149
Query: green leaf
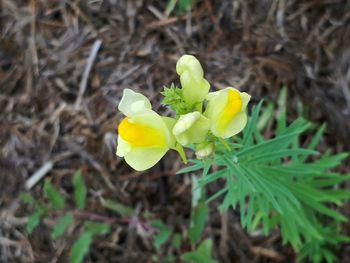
33	221
98	228
279	142
163	235
79	190
170	6
278	154
173	98
317	137
81	247
198	219
55	198
202	254
176	243
251	126
265	117
185	5
27	198
62	225
118	208
282	110
197	166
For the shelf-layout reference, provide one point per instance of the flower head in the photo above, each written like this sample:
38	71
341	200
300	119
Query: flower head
194	87
144	136
190	128
226	112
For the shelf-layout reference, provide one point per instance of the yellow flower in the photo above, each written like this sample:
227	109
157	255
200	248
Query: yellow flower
194	87
143	135
226	112
192	127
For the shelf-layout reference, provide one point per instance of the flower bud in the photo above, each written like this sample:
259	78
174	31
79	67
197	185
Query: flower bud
204	150
192	127
194	87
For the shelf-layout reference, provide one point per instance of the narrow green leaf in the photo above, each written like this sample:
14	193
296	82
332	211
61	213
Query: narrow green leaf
269	145
282	110
202	254
176	243
117	207
185	5
79	190
33	221
265	116
251	126
98	228
27	198
170	6
55	198
212	177
198	219
163	235
81	247
217	194
317	137
62	225
271	156
197	166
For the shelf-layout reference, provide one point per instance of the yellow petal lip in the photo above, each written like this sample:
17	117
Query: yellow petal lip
232	107
138	135
142	159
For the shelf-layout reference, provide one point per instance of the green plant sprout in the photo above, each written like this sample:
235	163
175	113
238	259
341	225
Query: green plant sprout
180	5
95	224
274	183
57	205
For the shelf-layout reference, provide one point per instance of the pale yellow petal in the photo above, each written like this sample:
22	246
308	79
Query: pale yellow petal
144	158
191	64
194	91
236	125
245	99
216	105
204	150
191	128
123	147
154	120
170	122
133	103
194	87
226	112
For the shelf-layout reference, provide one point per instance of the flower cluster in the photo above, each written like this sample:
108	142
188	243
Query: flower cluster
144	136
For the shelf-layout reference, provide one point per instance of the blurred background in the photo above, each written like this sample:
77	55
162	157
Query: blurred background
64	64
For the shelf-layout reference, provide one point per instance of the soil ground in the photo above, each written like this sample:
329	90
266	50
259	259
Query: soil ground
55	110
